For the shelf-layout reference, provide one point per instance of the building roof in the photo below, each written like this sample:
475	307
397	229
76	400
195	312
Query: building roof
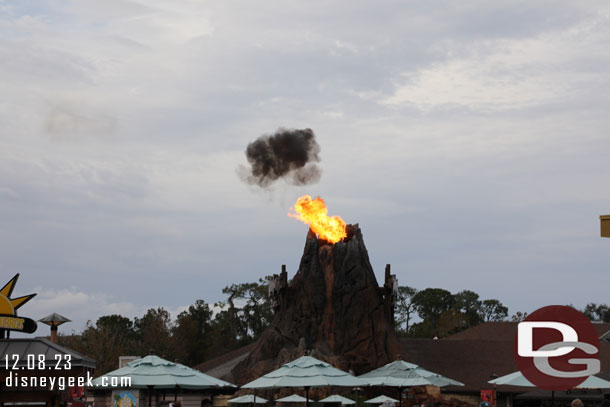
41	346
506	331
471	356
221	366
470	361
474	361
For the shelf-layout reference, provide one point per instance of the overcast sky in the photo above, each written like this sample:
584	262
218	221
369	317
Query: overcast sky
468	138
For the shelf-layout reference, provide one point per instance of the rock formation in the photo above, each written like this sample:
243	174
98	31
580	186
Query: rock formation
332	309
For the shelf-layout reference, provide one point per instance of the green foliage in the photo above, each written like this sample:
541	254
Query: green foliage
493	310
154	333
404	309
255	314
432	302
597	312
193	329
518	316
112	336
203	331
193	337
442	313
467	303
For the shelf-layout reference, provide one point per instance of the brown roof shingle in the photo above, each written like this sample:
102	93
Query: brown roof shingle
471	356
506	331
470	361
221	366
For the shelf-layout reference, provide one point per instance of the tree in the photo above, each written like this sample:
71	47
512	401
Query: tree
116	323
493	310
192	333
430	305
450	322
443	313
112	336
196	334
154	332
404	308
597	312
518	316
468	304
223	334
250	320
432	302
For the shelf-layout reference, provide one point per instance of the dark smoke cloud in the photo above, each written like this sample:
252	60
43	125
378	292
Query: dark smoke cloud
287	154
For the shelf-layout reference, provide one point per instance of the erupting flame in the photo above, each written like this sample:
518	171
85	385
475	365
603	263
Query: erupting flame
314	213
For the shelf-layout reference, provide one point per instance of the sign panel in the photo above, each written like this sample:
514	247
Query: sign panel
21	324
488	398
77	397
9	321
557	348
125	398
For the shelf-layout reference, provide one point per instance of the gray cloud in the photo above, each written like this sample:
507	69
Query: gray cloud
469	141
66	120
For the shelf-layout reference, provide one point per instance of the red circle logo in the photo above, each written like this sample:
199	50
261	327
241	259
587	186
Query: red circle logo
557	348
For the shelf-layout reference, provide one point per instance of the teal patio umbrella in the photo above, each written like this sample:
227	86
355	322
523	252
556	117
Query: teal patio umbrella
335	398
381	399
247	399
517	379
157	373
294	398
404	374
306	372
153	372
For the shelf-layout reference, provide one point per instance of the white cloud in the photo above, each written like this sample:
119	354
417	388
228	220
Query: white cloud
80	306
507	74
173	91
69	120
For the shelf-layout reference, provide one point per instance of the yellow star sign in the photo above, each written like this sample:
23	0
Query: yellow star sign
8	305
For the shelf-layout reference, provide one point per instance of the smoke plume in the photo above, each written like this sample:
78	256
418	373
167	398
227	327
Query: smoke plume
287	154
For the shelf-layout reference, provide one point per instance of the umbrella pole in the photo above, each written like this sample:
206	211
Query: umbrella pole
553	398
400	396
307	396
254	400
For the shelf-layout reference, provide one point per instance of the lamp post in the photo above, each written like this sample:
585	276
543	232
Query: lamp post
356	389
402	390
54	320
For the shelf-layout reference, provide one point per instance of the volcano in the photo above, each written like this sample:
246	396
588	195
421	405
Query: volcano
333	309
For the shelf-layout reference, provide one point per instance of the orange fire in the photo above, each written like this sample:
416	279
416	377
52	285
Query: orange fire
314	213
